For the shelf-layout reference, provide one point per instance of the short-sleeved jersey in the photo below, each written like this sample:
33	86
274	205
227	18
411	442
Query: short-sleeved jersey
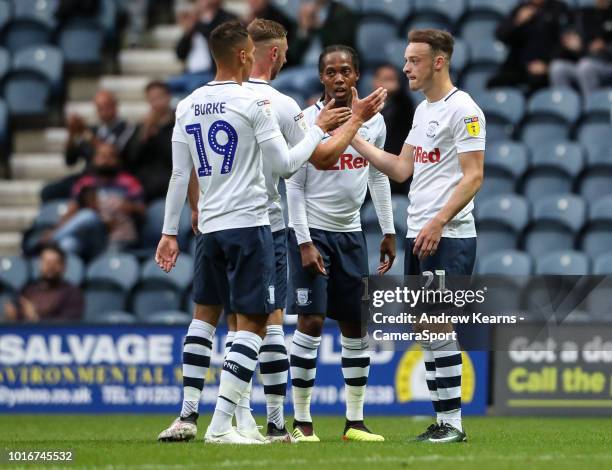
223	124
440	132
334	197
293	127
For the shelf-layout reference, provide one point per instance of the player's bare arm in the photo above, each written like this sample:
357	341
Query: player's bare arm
472	166
193	195
397	167
327	154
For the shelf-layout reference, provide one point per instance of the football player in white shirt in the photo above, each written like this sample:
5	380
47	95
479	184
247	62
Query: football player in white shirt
328	258
226	131
444	153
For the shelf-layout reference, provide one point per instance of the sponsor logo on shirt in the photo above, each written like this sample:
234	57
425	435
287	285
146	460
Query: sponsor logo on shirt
349	162
472	125
423	156
266	107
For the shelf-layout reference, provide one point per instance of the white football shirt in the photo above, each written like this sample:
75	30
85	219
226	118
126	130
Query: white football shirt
440	132
293	127
223	124
333	198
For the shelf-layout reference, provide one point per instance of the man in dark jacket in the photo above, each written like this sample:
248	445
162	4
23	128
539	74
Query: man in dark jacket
532	33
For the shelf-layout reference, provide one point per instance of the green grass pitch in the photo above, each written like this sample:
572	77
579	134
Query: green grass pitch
119	441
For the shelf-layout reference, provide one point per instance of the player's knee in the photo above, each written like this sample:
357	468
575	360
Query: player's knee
276	317
311	325
208	313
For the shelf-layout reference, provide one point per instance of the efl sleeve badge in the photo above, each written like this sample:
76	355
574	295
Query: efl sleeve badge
472	125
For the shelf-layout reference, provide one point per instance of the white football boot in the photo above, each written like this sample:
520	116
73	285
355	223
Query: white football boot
179	431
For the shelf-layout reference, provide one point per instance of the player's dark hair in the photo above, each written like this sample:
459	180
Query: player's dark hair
265	30
440	41
339	48
56	249
225	38
157	84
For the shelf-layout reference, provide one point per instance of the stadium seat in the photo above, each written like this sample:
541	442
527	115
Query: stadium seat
19	34
112	318
40	10
101	298
602	265
556	221
120	269
74	273
500	221
477	27
14	272
598	105
596	183
152	297
48	60
474	79
504	103
505	164
507	263
399	203
487	52
460	59
369	219
561	103
5	62
450	9
554	166
290	8
27	93
172	317
154	219
304	78
5	13
81	42
568	263
4	123
50	213
596	137
397	10
544	130
371	34
597	236
180	276
394	51
500	8
427	21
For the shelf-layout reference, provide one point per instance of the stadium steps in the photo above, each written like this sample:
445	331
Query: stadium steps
44	166
132	111
127	88
20	193
10	243
17	218
50	139
154	62
165	36
82	88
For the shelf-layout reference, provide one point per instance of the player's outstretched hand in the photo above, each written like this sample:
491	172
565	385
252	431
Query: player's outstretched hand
331	118
312	259
387	254
167	252
426	242
366	108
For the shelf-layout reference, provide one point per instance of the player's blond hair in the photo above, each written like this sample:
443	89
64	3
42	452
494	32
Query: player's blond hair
265	30
440	41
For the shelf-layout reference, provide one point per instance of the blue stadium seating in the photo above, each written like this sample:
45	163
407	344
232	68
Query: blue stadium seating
39	10
46	59
290	8
569	263
562	103
450	9
544	130
556	221
154	219
371	34
81	41
304	78
50	213
554	167
595	183
394	52
597	236
478	27
598	105
4	123
27	93
171	317
180	276
5	62
485	52
596	137
504	109
397	10
474	79
74	273
19	34
602	265
120	269
151	297
354	5
112	318
460	58
14	272
500	221
506	262
399	203
5	13
500	8
101	298
427	21
505	164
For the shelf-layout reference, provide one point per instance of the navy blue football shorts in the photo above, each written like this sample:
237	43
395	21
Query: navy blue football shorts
235	268
456	256
280	260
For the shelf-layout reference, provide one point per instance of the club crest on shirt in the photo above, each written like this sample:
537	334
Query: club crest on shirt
266	107
472	125
432	127
302	296
363	132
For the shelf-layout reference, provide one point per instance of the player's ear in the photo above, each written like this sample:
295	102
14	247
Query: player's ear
242	55
274	52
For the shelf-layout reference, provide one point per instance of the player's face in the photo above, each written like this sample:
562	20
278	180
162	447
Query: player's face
338	76
419	65
281	57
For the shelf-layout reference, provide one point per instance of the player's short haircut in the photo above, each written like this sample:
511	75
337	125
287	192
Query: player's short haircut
265	30
439	41
339	48
225	38
157	84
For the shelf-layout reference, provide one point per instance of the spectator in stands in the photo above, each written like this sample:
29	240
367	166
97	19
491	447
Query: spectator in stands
49	298
532	33
266	10
322	23
398	112
105	201
81	141
585	55
197	20
150	156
